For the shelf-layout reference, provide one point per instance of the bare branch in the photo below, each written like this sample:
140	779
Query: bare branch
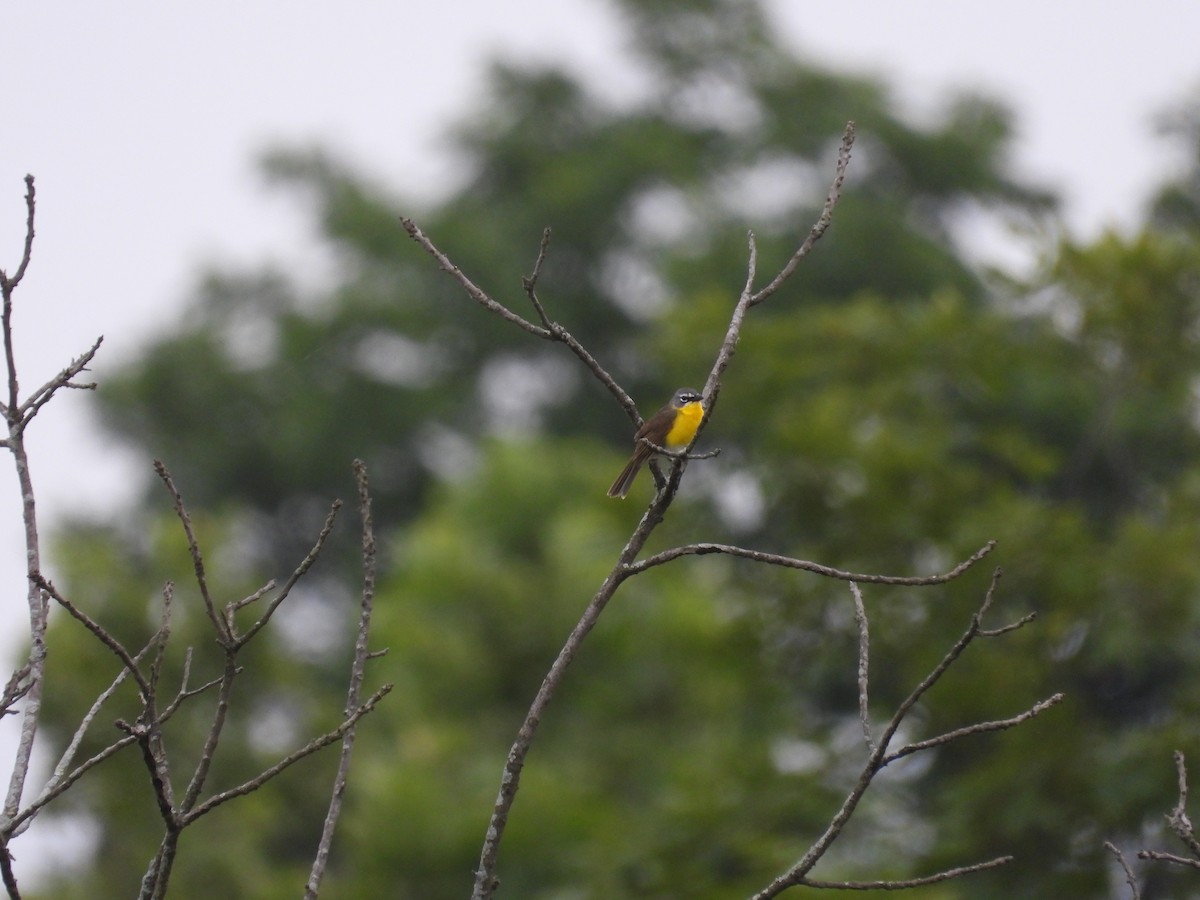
156	764
864	655
1172	858
357	672
530	282
1180	823
1178	817
712	387
291	759
678	454
253	598
102	634
9	283
297	574
223	635
978	728
213	738
789	562
1005	629
1134	893
486	881
879	756
907	883
7	873
475	292
39	398
818	230
549	330
16	688
35	600
557	332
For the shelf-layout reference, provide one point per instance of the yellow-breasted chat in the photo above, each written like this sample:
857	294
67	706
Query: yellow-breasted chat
671	427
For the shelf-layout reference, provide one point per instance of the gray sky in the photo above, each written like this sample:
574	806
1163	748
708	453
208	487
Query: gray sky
142	121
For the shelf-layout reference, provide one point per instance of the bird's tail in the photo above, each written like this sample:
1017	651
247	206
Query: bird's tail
620	487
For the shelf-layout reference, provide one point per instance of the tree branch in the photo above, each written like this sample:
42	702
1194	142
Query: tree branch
906	883
789	562
1134	893
222	632
864	655
879	757
486	881
291	759
353	691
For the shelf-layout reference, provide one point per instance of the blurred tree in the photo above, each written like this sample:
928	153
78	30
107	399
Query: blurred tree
889	411
263	392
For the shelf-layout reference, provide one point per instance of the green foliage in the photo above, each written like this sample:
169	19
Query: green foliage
887	411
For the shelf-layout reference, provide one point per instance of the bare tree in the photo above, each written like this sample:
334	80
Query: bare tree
881	752
179	803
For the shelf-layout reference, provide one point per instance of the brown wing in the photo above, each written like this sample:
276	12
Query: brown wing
654	429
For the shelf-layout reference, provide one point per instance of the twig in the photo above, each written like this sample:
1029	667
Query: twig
102	634
357	672
475	292
678	454
1180	823
9	283
43	395
789	562
818	230
291	759
864	655
36	602
7	873
16	688
1134	893
223	635
297	574
1178	817
978	728
1174	859
906	883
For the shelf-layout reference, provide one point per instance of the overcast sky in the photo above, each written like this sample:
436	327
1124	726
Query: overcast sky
142	122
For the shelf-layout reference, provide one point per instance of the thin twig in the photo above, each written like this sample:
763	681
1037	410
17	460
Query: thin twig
1178	818
354	690
1174	859
297	574
880	758
102	634
475	292
35	600
223	635
818	230
7	873
43	395
906	883
789	562
16	688
486	881
291	759
978	728
864	656
27	253
1134	893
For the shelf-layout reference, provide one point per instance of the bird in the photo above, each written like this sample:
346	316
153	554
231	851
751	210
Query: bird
672	426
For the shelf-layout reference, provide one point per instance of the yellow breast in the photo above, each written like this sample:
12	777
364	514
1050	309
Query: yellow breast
687	420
